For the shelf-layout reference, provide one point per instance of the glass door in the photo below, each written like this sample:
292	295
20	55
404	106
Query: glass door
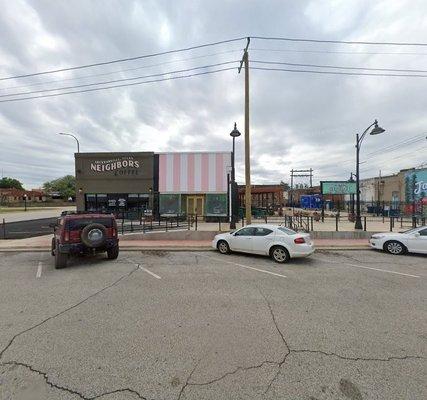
195	205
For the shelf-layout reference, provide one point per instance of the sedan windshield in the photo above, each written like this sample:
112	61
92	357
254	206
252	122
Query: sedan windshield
411	230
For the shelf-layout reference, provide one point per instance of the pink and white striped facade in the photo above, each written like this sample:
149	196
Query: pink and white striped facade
194	172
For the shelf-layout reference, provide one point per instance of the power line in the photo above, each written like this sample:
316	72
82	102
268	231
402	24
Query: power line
389	149
397	146
117	86
341	52
308	71
338	41
123	59
117	80
337	67
121	70
387	162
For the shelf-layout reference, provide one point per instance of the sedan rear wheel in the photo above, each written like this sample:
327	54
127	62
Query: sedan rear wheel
394	247
223	247
280	254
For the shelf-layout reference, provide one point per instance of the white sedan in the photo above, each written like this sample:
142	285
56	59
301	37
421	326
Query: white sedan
412	241
278	242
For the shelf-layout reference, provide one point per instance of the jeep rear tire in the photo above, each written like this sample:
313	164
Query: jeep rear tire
94	235
60	259
113	253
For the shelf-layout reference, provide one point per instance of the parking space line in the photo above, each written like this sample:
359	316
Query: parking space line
371	268
39	270
149	272
242	265
142	268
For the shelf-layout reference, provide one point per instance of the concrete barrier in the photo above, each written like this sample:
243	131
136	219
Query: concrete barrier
172	235
341	235
209	235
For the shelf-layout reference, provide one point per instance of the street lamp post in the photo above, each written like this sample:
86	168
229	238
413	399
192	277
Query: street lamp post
234	133
375	131
77	140
352	195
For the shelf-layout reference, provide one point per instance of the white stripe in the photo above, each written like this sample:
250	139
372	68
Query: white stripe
149	272
212	173
39	270
184	173
243	266
371	268
169	172
197	172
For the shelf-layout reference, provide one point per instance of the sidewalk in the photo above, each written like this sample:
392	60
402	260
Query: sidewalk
42	243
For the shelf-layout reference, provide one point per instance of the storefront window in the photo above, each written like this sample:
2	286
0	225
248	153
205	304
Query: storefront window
216	204
91	202
129	206
170	204
101	202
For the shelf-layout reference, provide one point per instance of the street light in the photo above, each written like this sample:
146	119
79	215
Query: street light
77	140
375	131
352	195
234	133
25	202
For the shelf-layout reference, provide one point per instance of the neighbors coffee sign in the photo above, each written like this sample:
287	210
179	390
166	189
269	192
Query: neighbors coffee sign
118	166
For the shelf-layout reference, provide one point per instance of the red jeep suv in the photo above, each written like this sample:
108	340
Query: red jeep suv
84	233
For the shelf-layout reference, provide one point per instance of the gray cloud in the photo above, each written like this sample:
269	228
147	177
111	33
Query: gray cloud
297	120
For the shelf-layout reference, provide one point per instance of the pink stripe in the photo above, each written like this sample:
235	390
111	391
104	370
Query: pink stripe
205	172
219	172
190	168
162	173
176	172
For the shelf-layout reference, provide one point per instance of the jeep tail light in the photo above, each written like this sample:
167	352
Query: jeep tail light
74	236
113	232
299	240
66	236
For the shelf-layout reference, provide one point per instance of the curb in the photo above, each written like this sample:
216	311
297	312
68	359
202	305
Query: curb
167	248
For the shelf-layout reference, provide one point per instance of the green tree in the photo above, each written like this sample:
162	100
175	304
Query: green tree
8	183
66	186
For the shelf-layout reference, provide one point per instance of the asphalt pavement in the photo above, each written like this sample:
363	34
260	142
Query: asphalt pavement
198	325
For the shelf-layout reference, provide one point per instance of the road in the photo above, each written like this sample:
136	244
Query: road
198	325
31	214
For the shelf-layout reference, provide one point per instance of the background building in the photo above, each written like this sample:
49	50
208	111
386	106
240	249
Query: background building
145	182
194	183
265	196
116	182
404	192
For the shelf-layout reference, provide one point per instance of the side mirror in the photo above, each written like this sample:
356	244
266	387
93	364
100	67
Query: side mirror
417	234
52	225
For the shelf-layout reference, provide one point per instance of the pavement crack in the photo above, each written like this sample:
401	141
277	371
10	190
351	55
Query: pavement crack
288	349
66	310
68	390
186	384
347	358
273	317
237	369
46	378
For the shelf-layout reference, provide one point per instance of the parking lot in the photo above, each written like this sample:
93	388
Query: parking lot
198	325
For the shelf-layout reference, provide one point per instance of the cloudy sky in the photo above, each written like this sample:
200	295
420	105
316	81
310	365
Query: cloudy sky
298	120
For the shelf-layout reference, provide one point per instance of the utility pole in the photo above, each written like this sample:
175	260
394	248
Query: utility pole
379	195
248	192
299	173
